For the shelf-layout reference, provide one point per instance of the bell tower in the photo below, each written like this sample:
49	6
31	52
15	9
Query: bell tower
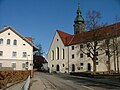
79	25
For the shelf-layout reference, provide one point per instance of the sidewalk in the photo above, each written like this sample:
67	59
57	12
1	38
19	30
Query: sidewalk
40	83
17	86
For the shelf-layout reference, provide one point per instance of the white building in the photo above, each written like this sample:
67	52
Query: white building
16	51
64	53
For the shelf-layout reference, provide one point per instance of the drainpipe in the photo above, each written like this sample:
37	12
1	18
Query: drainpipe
68	59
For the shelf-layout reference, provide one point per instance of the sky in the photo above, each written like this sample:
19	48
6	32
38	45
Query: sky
40	19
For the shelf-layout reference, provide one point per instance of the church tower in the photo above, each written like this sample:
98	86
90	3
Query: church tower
79	25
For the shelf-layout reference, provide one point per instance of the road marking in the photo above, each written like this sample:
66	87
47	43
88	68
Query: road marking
88	87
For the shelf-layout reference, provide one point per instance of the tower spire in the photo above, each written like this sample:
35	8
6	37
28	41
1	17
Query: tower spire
79	25
79	17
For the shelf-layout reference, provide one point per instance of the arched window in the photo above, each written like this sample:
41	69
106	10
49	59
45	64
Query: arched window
73	67
57	68
1	41
52	55
8	41
63	54
57	53
15	42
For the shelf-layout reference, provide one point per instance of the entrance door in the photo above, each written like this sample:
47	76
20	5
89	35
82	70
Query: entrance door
89	67
57	68
73	67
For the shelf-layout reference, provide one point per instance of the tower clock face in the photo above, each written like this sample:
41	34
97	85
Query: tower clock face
83	27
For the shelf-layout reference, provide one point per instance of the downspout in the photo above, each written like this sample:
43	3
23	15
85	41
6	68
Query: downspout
68	59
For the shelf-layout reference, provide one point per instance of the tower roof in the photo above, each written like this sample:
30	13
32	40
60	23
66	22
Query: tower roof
79	17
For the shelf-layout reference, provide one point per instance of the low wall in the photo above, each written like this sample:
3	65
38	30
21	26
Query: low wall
96	75
12	76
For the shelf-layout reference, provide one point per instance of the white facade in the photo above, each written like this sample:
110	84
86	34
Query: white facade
53	59
74	60
15	50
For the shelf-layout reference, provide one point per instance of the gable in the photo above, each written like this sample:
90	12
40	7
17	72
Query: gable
14	33
56	42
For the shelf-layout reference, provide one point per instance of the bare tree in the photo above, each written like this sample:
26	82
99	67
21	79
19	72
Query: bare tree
108	46
92	19
40	51
93	45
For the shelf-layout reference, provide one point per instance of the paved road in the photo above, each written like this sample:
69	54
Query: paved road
67	82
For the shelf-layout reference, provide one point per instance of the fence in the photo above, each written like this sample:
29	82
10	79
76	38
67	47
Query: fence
27	83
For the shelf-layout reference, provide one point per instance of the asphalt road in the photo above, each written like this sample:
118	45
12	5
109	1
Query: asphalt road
67	82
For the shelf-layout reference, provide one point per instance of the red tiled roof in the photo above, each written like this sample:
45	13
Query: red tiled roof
99	34
65	37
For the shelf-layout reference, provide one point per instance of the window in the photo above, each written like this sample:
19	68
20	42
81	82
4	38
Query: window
96	63
63	53
8	41
96	58
81	67
13	65
72	47
88	45
107	52
81	55
81	46
1	41
63	65
107	41
52	55
57	39
23	65
14	54
1	53
73	56
8	33
88	54
52	65
81	64
57	53
15	42
24	54
96	53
